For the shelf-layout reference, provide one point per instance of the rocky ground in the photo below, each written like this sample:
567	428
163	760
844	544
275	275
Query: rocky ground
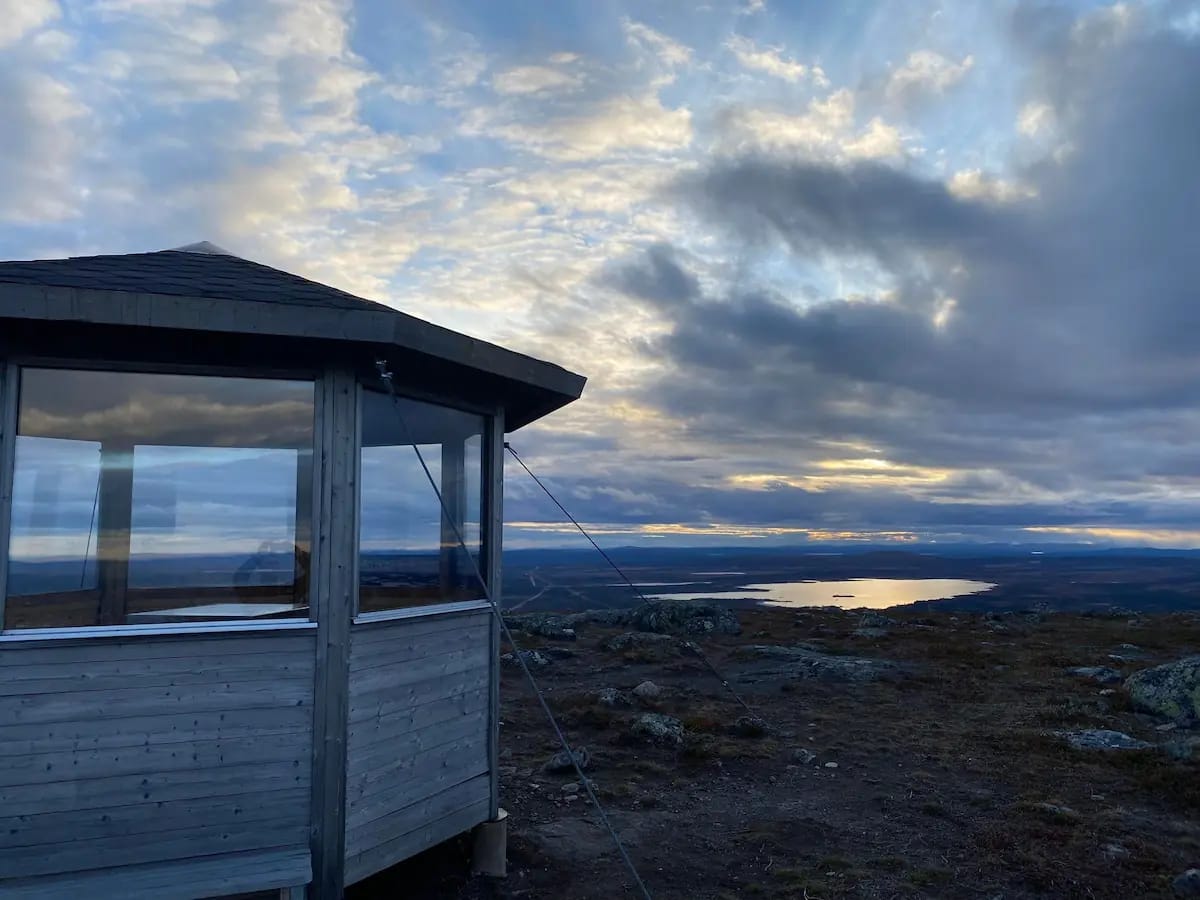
908	755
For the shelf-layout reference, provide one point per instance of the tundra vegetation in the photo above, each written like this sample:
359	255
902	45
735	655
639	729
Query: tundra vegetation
912	753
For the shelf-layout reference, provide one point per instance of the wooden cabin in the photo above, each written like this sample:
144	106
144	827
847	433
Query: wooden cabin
243	648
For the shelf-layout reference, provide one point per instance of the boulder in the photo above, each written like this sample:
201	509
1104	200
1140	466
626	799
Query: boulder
1127	653
547	625
1171	690
613	698
803	756
873	619
1187	884
564	762
659	729
1103	739
875	625
637	640
867	631
647	691
535	659
1099	674
684	617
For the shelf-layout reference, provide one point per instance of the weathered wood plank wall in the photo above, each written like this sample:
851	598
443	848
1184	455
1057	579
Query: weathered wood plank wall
417	761
129	766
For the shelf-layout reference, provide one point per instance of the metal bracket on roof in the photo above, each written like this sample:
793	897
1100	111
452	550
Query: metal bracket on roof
203	247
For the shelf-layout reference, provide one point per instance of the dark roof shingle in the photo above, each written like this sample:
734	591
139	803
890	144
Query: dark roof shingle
183	273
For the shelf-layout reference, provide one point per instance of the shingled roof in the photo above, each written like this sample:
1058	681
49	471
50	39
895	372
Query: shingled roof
197	270
203	288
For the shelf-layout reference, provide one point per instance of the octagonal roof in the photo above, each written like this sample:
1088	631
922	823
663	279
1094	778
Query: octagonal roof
202	287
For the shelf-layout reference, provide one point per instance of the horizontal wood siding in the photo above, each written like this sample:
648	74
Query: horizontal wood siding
158	766
218	876
417	762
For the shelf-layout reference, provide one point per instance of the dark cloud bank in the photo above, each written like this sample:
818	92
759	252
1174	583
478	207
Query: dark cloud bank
1067	374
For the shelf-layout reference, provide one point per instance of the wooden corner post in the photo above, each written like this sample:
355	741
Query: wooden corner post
334	593
493	534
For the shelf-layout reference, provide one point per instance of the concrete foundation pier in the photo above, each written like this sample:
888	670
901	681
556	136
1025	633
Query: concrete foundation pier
490	853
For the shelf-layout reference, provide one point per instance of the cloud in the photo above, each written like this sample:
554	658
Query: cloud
20	18
1036	341
39	146
826	130
248	129
623	124
656	51
768	59
1035	118
771	283
656	276
608	189
924	73
975	184
533	80
1138	537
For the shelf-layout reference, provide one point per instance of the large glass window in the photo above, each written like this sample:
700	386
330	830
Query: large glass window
141	498
409	553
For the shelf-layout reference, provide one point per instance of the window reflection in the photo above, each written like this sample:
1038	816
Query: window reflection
410	554
159	498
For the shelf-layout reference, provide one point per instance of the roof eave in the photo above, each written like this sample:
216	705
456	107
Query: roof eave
382	326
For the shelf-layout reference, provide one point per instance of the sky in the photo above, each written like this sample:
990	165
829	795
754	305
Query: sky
872	271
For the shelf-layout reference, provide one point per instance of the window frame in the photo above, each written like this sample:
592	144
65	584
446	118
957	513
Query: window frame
10	380
487	521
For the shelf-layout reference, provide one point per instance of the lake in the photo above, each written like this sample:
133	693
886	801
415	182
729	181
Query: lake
873	593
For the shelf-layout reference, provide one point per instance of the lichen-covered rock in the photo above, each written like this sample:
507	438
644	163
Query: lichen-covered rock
1187	884
566	762
1099	674
637	640
535	659
647	691
659	728
873	619
1104	739
870	631
1127	653
770	662
613	698
1171	690
684	617
547	625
